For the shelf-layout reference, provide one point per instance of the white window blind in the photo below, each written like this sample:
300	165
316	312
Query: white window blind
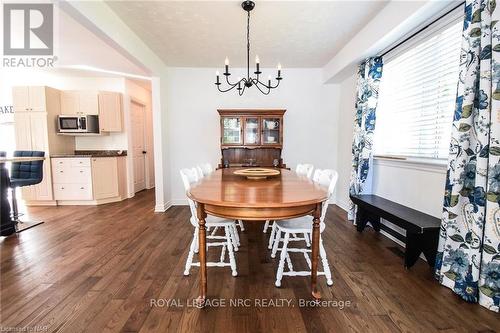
417	94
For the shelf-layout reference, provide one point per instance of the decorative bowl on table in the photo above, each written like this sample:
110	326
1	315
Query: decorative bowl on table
257	173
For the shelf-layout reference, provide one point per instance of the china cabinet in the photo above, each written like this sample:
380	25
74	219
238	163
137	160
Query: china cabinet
251	137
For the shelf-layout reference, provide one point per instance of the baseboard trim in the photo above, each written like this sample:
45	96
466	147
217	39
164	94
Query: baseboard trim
161	208
342	204
40	202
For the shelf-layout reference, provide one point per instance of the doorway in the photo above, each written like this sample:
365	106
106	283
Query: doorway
137	112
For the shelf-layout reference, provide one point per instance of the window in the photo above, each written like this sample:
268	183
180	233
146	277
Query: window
417	93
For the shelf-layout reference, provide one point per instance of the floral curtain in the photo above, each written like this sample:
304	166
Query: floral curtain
369	74
468	258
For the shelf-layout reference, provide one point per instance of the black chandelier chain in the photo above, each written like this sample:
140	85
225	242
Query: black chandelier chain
248	81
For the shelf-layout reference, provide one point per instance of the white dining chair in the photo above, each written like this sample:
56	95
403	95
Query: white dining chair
228	242
204	169
303	225
304	170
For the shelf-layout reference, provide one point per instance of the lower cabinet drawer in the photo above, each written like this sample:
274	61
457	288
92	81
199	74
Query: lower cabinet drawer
73	192
81	175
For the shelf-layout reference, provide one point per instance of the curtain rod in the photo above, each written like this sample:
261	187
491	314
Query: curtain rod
422	29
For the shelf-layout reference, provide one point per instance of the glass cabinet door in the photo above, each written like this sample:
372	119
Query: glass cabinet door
231	131
252	133
271	129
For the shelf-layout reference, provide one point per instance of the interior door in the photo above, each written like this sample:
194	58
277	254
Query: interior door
138	146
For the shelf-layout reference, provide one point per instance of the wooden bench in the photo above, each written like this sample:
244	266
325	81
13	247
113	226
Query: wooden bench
422	230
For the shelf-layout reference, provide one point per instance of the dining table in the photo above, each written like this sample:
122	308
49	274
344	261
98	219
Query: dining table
7	225
284	196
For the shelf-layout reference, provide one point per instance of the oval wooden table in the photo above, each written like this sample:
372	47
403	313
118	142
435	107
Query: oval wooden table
285	196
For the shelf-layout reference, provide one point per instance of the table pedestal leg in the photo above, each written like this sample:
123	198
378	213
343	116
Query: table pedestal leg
202	254
315	252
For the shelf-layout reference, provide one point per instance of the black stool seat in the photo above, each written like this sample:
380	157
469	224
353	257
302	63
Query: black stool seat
23	182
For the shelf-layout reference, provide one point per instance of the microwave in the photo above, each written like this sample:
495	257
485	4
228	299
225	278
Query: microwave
78	124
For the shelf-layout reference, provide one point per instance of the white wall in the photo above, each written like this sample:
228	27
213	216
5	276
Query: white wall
192	100
345	105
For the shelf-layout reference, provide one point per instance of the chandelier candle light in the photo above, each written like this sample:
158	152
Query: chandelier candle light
247	82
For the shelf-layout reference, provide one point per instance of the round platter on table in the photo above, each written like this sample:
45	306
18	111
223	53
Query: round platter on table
257	173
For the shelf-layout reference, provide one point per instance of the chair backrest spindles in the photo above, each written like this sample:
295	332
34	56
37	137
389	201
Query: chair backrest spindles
304	170
189	177
326	178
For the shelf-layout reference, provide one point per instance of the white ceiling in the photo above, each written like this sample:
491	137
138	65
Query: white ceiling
79	46
203	33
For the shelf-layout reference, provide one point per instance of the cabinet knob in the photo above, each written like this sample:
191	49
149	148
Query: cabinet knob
81	171
62	188
61	171
82	188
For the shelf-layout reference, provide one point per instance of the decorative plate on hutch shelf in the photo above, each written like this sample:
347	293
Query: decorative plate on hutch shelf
257	173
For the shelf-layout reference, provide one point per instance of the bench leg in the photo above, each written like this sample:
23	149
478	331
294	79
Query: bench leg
412	249
363	216
429	246
361	219
418	243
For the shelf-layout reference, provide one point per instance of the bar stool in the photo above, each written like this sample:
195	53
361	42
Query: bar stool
7	227
25	174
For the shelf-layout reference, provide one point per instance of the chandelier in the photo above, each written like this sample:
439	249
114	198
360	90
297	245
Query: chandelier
248	81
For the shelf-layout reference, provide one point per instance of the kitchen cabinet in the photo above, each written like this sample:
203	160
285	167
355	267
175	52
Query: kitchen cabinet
28	99
110	111
88	102
69	103
35	114
72	178
79	102
87	180
105	177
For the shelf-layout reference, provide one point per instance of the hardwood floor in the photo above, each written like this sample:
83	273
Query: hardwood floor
98	269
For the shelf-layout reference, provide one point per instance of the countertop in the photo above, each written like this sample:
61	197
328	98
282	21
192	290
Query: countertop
92	153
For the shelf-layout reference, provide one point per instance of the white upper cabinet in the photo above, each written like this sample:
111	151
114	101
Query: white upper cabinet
88	102
79	102
69	102
37	99
21	98
27	99
110	112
